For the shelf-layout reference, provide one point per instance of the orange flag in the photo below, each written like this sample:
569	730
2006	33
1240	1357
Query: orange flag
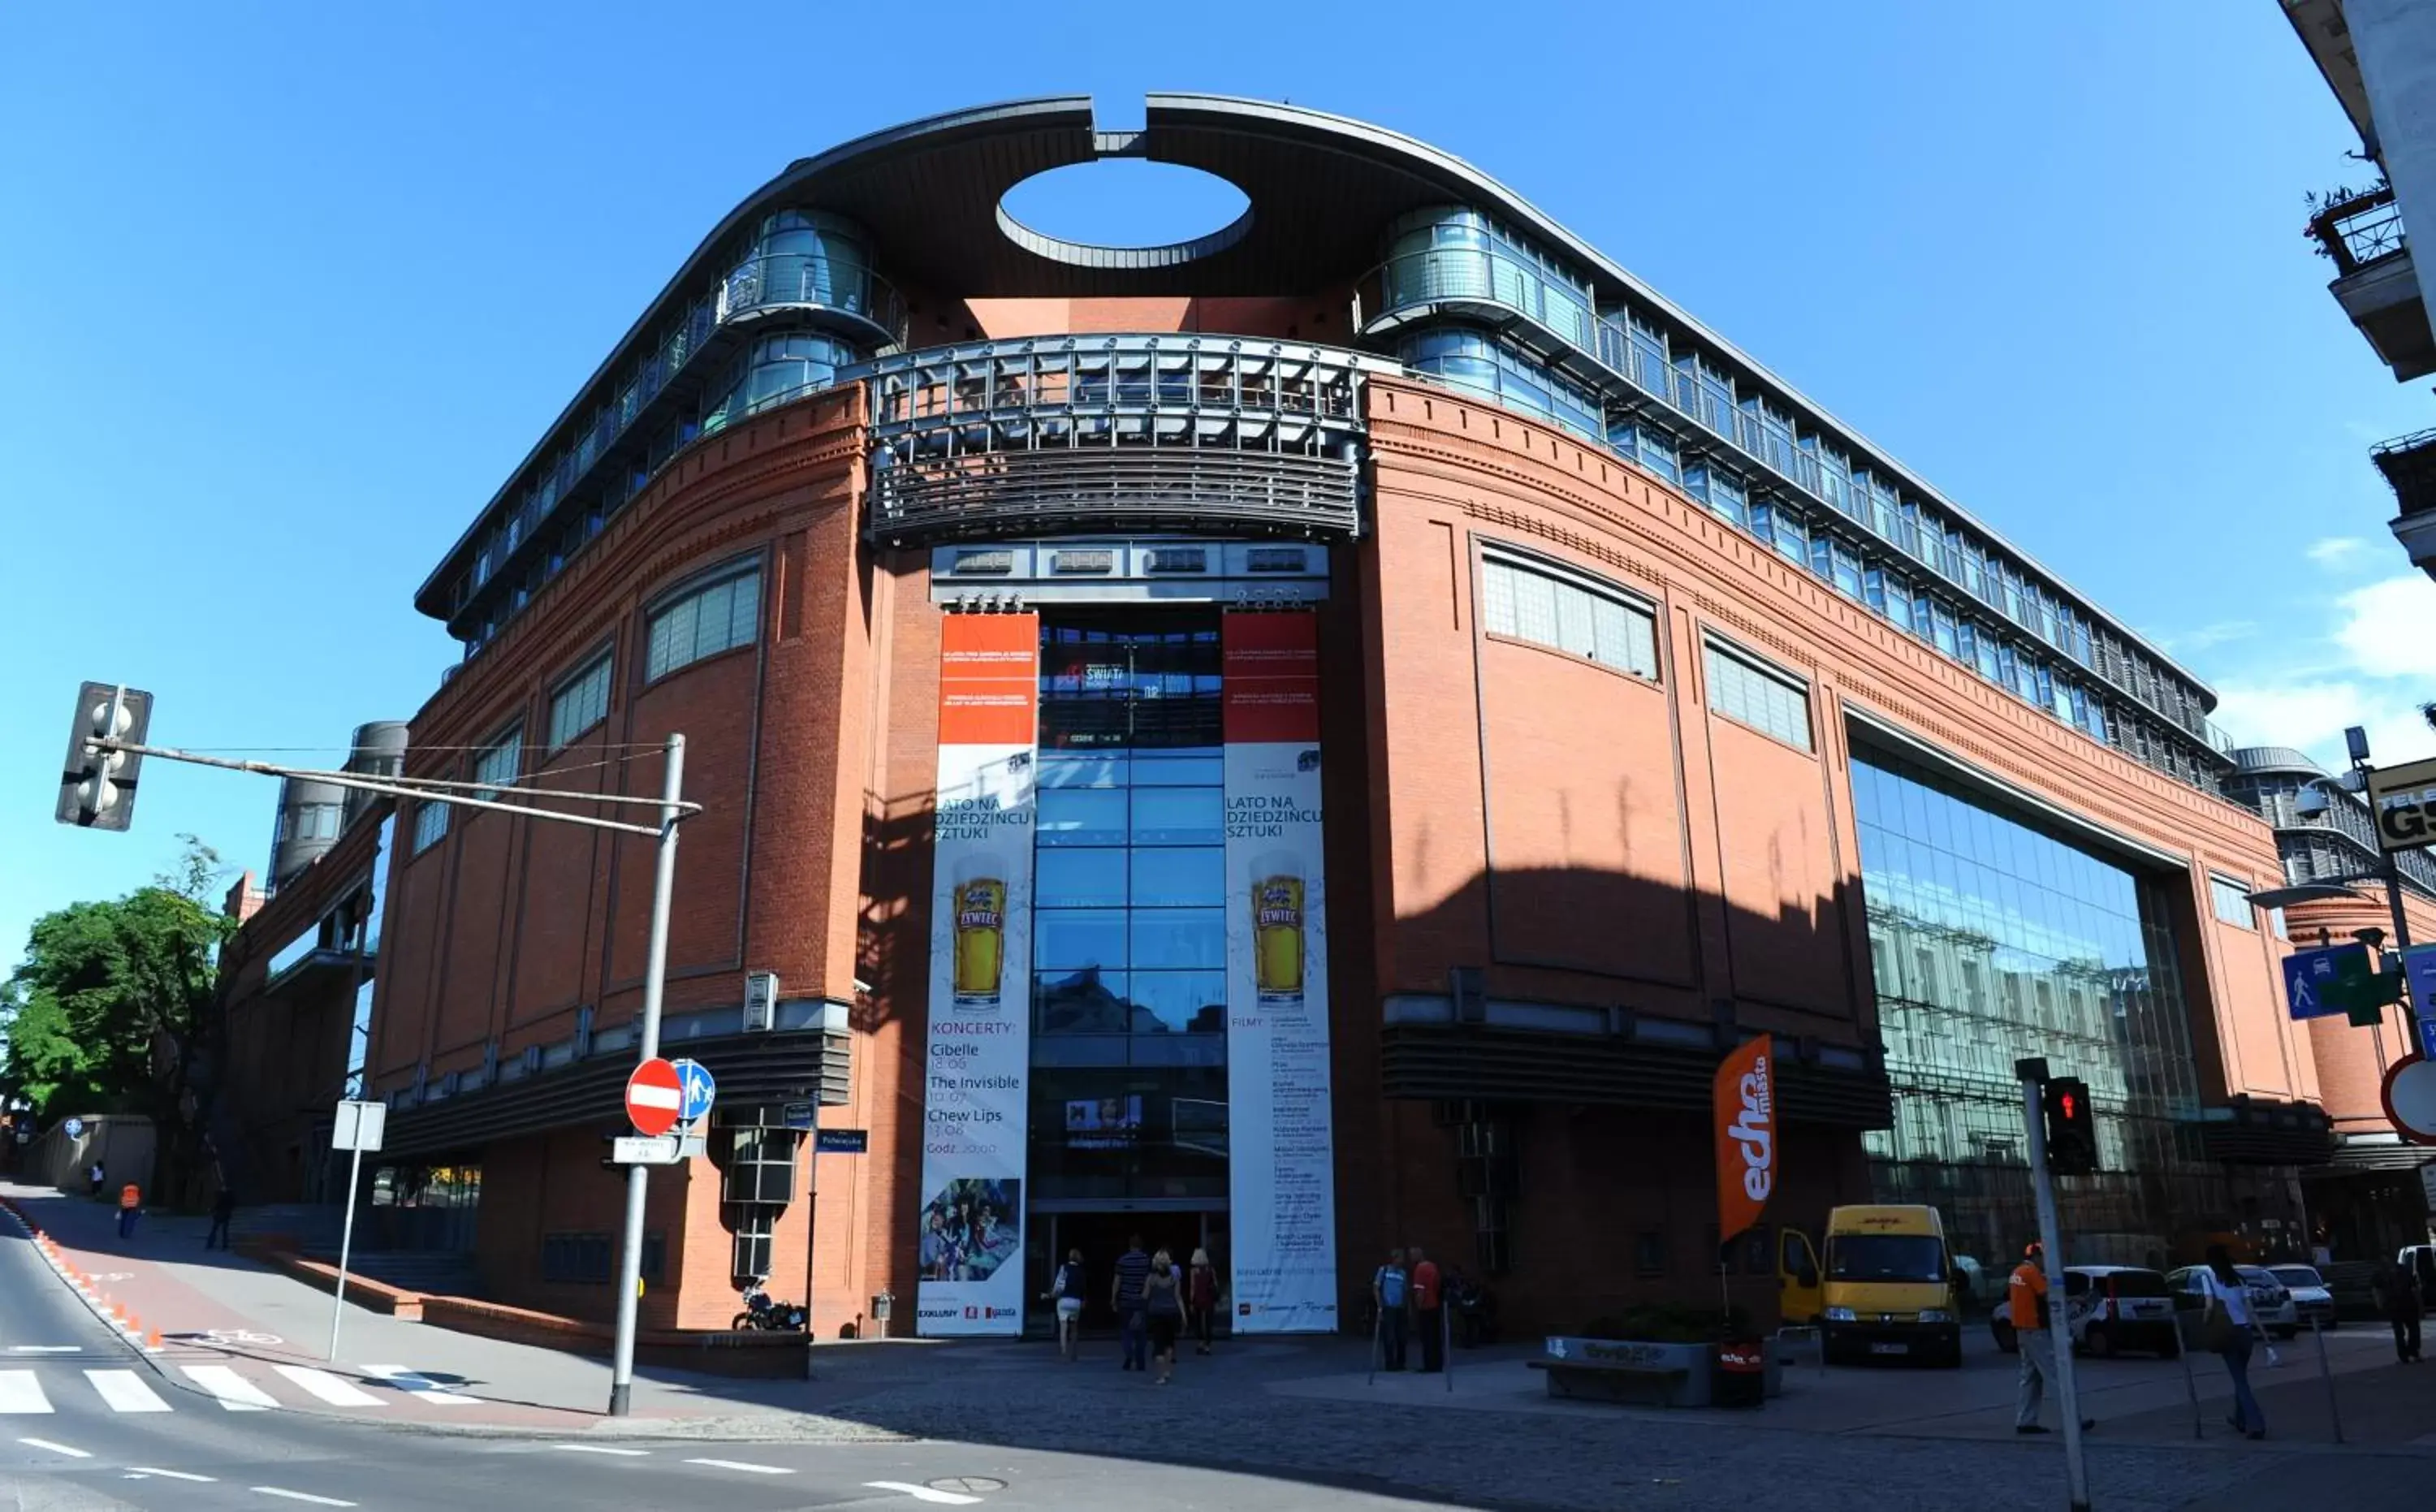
1744	1101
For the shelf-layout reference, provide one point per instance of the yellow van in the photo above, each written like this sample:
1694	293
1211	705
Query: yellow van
1885	1287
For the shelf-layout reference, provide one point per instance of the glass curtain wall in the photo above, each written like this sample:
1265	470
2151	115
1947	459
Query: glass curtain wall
1994	940
1129	926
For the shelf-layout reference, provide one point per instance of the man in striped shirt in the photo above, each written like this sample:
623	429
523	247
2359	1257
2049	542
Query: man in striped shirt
1133	1274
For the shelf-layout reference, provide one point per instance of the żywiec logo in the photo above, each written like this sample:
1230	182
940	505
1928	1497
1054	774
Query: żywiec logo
1753	1129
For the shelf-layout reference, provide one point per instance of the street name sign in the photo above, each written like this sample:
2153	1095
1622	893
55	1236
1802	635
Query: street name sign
654	1096
646	1150
801	1116
842	1141
2404	800
2419	967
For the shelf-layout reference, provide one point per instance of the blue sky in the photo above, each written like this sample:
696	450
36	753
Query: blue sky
286	291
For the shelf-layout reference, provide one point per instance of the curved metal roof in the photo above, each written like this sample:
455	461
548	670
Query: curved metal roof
1322	189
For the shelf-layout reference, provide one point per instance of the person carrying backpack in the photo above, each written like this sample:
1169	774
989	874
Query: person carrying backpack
1387	1295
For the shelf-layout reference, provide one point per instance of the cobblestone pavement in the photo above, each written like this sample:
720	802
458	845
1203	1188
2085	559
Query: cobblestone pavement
1224	1414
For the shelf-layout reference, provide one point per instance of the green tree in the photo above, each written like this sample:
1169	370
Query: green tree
111	1011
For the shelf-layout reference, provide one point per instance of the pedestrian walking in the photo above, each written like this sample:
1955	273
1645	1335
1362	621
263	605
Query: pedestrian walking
1163	1309
2227	1330
96	1180
1066	1291
2398	1298
224	1209
131	1206
2025	1295
1201	1295
1125	1296
1429	1311
1387	1295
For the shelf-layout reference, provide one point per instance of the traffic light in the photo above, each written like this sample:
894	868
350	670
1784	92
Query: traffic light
98	787
2072	1128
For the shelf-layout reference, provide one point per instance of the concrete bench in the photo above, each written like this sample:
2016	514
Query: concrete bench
1653	1385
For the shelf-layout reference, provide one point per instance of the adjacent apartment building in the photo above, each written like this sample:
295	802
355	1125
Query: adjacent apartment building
1309	738
2379	58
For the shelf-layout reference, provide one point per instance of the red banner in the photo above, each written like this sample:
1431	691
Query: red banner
1271	683
1745	1104
989	679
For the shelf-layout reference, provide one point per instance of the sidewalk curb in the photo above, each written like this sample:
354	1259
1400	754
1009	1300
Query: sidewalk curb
86	1291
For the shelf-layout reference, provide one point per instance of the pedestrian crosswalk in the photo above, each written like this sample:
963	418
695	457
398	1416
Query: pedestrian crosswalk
35	1392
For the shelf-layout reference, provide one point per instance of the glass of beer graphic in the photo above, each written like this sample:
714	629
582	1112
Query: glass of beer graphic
1278	928
979	904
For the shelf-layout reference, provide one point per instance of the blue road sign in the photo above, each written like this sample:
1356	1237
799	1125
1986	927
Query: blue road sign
842	1141
73	1127
2315	980
698	1089
2419	968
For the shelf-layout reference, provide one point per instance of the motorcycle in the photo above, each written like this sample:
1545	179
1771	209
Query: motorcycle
766	1316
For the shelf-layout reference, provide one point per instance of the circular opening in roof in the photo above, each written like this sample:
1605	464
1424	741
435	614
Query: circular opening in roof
1124	213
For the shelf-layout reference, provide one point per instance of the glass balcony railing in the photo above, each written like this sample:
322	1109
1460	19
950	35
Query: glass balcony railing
1482	279
804	281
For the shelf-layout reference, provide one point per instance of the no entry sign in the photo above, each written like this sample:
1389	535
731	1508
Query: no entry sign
654	1096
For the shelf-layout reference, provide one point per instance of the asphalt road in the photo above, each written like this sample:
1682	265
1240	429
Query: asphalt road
87	1421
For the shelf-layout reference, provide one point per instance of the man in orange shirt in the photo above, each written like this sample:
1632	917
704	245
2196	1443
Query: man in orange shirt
2026	1298
131	1206
1429	1311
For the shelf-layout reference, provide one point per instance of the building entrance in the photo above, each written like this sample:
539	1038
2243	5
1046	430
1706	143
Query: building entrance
1102	1236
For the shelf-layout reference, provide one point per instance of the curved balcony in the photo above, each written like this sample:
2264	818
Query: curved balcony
844	296
1118	433
1482	284
2275	758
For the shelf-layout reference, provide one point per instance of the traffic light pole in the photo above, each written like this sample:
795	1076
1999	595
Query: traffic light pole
92	749
656	970
2033	1075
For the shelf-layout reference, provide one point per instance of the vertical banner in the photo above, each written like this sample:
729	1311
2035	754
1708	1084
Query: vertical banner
970	1222
1744	1103
1282	1173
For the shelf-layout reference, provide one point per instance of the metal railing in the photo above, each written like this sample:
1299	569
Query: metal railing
803	281
2349	817
2409	463
1116	432
2361	230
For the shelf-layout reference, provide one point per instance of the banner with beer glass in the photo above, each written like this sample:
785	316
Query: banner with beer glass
971	1224
1281	1165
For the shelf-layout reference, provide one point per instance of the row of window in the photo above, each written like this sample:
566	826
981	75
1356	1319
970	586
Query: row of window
1550	607
795	257
703	620
1451	255
1938	619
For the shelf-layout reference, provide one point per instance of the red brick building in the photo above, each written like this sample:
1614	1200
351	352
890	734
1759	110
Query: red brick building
1009	592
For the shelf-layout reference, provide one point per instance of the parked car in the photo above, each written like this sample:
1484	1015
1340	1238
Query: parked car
2311	1297
2110	1308
2271	1309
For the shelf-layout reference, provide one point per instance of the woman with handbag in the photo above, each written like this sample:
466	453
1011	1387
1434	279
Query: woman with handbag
2227	1330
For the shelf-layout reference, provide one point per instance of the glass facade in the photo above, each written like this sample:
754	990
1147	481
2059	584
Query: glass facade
1993	939
1128	923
